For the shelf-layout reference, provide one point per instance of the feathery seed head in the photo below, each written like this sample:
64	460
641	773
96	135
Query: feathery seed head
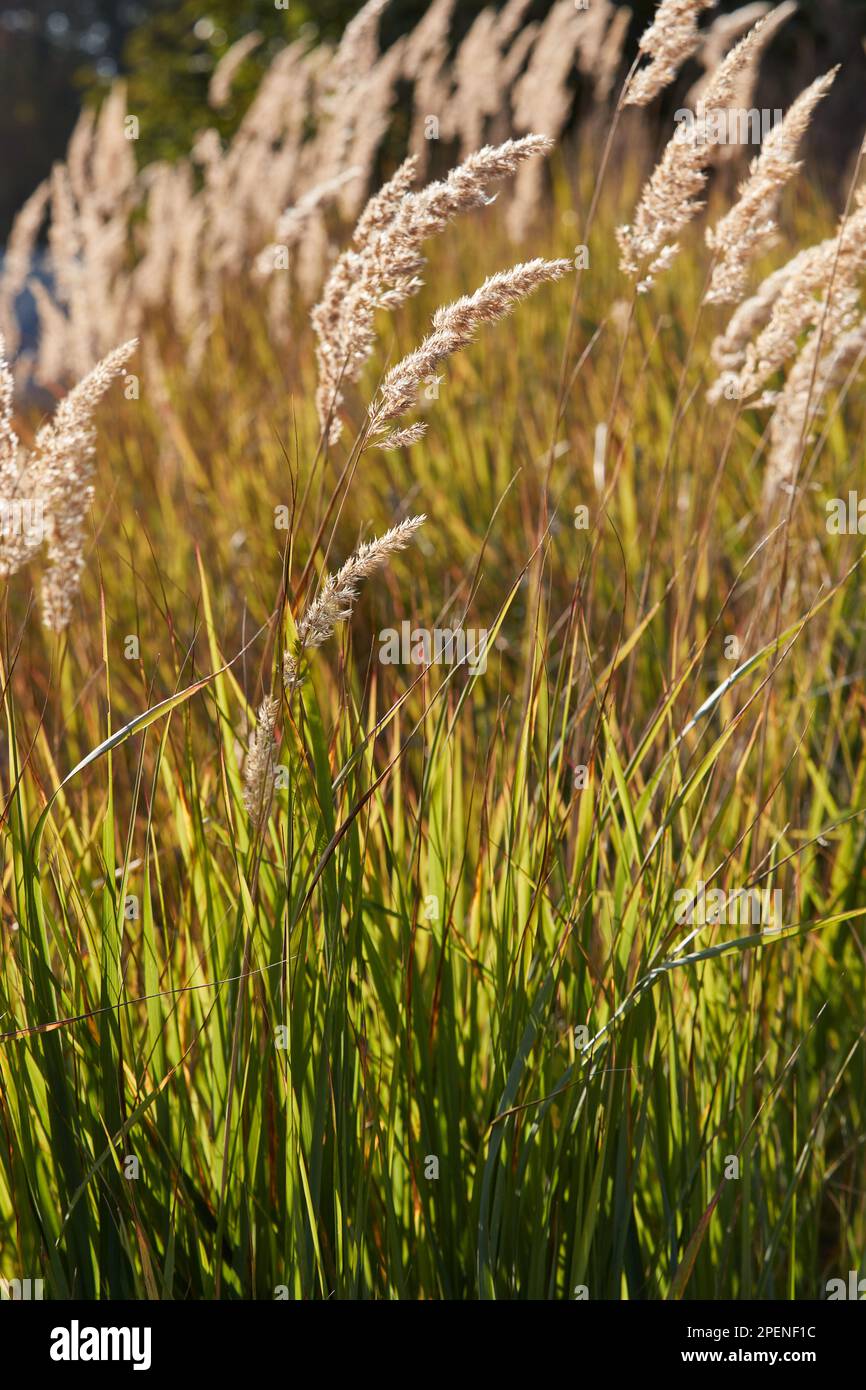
337	596
220	88
56	474
671	197
454	326
382	270
672	37
261	764
750	223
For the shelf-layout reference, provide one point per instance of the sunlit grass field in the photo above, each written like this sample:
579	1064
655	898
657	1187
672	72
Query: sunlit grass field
437	1033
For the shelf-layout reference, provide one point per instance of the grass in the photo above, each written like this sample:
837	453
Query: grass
285	1030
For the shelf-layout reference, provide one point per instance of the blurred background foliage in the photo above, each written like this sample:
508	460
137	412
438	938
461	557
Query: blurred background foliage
55	55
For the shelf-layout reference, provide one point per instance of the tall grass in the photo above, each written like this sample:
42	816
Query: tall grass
428	1023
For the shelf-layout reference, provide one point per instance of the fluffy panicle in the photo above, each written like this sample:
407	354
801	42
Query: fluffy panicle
352	92
610	52
337	597
188	283
382	272
113	169
510	19
750	224
672	37
295	221
79	154
340	339
53	328
480	67
20	523
64	450
359	47
261	764
724	31
454	326
220	88
836	343
830	268
425	59
816	293
279	108
8	438
169	199
55	478
741	101
123	242
476	73
543	98
404	439
717	38
814	374
671	198
374	101
603	29
382	208
729	348
90	304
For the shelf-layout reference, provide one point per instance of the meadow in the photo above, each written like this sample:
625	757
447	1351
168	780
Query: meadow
330	976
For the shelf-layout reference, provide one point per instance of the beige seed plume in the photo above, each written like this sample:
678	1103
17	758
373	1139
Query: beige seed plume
295	221
750	224
21	514
358	48
480	67
220	88
382	271
454	326
57	475
718	39
366	114
542	97
672	37
260	766
610	51
383	207
670	198
813	375
337	597
835	344
834	267
53	331
404	439
64	448
15	549
729	349
350	89
425	65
